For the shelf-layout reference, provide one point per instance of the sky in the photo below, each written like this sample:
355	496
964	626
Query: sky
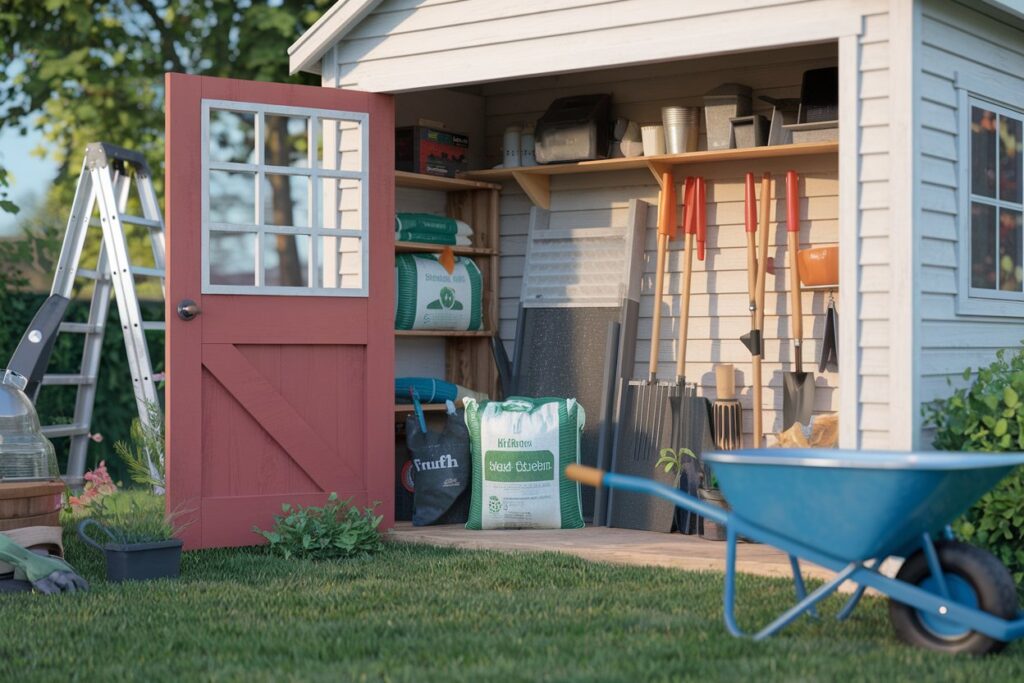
28	174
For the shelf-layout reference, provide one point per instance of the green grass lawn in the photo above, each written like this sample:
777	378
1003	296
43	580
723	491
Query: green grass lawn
415	613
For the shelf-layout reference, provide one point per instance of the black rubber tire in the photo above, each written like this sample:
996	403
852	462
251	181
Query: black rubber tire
991	581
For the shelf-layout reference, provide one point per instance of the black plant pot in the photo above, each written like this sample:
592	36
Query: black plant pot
711	530
136	561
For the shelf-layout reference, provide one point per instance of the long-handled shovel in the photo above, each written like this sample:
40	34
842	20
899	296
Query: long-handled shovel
645	414
798	396
690	412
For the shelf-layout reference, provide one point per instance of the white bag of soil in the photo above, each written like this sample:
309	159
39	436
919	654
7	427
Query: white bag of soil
428	297
520	449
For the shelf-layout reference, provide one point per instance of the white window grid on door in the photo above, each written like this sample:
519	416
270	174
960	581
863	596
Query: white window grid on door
315	208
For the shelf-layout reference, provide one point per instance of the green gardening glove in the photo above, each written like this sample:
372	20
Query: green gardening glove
47	574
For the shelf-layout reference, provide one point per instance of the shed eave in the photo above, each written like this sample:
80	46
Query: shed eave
306	52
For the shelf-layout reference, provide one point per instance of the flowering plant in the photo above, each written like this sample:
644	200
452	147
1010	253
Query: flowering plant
97	485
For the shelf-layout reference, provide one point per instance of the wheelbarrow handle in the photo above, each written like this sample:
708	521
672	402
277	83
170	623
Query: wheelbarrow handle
591	476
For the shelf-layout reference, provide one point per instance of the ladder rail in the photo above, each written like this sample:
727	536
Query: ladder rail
74	234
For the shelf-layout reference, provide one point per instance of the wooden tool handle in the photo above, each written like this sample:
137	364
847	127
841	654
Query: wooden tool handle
762	264
750	206
684	308
664	217
793	245
758	435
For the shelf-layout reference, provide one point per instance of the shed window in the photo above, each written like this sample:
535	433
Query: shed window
284	200
995	224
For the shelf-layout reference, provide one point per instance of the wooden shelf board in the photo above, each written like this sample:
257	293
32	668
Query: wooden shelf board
619	164
427	407
435	248
536	180
421	181
443	333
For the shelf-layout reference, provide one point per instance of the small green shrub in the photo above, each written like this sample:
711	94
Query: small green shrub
336	530
988	416
144	457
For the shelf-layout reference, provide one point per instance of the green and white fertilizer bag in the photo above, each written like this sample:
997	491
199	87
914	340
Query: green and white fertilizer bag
520	448
428	297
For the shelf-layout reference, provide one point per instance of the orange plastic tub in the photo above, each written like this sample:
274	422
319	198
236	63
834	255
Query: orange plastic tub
819	266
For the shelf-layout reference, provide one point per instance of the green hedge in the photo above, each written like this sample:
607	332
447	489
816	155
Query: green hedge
115	401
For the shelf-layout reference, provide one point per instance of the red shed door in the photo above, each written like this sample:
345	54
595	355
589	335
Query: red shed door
280	214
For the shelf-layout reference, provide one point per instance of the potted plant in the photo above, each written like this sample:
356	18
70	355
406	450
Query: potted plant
138	540
672	460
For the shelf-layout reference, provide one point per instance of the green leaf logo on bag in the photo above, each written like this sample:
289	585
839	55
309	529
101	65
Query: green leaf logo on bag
446	300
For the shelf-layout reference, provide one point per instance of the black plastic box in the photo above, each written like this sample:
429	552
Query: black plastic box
419	149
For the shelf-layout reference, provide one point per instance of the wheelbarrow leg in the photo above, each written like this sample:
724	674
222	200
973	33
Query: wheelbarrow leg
934	566
804	605
798	583
857	594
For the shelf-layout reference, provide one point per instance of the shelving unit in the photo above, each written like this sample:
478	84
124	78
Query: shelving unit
467	354
535	181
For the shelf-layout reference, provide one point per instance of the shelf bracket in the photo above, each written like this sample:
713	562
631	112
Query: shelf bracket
658	169
537	187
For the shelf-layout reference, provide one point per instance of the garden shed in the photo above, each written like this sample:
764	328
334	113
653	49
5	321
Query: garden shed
920	188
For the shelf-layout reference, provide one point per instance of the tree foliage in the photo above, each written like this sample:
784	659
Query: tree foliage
87	70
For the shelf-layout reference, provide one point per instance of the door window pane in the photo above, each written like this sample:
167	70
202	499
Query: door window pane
342	262
232	197
232	136
1010	271
232	258
285	260
983	152
341	204
286	140
983	246
1011	147
286	200
340	145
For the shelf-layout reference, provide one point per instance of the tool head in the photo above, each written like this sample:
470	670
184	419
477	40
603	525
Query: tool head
752	340
792	202
667	207
689	206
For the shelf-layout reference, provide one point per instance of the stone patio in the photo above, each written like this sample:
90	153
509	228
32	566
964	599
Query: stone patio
622	546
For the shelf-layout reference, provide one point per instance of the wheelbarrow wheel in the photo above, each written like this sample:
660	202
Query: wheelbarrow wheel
975	578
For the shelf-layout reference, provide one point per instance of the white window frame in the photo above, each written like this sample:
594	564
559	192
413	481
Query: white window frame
974	90
314	173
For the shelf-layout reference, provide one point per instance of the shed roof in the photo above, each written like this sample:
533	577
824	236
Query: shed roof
306	52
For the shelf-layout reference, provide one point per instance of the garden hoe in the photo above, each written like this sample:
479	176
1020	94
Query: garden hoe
645	413
798	396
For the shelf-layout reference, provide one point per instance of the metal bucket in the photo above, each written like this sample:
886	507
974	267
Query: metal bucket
682	128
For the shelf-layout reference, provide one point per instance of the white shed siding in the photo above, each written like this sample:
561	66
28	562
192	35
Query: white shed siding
954	39
420	44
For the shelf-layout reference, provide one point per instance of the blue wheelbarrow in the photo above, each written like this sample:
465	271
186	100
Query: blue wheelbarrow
848	511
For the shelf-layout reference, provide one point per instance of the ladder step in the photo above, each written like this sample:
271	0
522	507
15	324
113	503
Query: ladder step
52	431
80	328
67	380
155	325
139	220
146	271
92	275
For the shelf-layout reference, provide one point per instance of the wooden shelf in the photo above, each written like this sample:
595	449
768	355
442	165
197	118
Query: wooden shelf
443	333
536	180
435	248
421	181
427	407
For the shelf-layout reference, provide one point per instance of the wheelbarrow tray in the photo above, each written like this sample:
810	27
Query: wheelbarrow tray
852	505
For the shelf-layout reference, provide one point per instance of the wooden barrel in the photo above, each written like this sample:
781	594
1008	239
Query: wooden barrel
35	503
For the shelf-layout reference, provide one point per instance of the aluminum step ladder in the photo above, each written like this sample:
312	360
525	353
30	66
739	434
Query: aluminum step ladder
108	174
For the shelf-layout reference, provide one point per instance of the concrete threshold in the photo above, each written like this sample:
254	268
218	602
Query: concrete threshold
622	546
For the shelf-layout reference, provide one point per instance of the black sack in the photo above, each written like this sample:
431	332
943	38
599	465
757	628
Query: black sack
440	470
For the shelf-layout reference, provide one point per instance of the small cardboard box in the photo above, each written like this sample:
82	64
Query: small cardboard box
427	150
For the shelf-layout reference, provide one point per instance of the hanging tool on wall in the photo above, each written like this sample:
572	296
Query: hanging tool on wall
798	395
757	267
